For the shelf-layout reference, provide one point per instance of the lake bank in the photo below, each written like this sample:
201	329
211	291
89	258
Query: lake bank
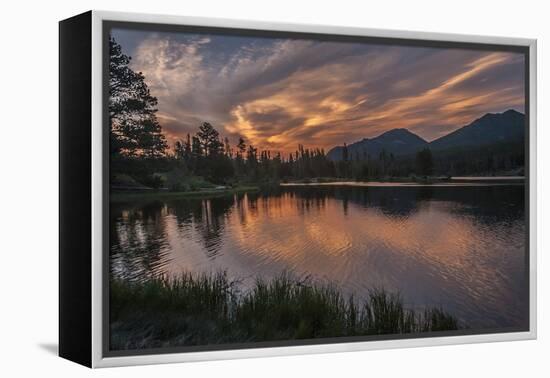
125	196
404	181
133	193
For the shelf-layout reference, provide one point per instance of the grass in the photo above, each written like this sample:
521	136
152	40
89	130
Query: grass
210	309
131	196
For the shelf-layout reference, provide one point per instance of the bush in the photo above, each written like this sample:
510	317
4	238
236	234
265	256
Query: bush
176	180
152	181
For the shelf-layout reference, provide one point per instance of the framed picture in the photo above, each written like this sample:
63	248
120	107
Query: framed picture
234	189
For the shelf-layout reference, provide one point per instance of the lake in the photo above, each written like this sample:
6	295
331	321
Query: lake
461	247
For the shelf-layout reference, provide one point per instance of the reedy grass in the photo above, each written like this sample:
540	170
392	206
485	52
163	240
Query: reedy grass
210	309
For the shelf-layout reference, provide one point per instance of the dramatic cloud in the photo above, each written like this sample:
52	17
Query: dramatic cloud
281	93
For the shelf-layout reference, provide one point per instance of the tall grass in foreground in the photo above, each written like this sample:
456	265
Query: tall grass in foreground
209	309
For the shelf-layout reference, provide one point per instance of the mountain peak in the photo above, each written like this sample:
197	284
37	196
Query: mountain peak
508	113
400	135
398	131
505	127
490	128
397	141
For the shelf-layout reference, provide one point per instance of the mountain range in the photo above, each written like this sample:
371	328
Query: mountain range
492	128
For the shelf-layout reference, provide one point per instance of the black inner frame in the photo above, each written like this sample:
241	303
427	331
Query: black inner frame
107	26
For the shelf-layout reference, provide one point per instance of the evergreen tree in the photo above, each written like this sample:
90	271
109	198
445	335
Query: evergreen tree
209	139
241	147
179	150
424	162
187	149
135	130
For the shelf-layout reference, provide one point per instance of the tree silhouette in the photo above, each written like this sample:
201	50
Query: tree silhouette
424	162
241	147
135	130
209	139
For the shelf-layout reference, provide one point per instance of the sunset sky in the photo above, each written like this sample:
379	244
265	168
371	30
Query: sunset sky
277	93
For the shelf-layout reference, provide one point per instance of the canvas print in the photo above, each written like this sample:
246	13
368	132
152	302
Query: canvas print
282	189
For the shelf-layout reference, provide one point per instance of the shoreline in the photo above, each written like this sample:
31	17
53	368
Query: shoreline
407	181
121	196
467	181
410	184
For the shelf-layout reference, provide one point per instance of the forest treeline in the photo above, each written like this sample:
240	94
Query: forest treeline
139	150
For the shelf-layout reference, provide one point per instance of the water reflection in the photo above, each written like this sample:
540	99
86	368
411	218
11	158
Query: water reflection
462	248
139	241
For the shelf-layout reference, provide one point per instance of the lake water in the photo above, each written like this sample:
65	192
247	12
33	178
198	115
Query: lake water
459	247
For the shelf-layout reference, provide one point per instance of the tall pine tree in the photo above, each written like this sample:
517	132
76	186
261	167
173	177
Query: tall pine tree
135	130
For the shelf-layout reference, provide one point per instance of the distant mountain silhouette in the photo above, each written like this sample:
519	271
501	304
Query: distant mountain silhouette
396	142
506	127
489	129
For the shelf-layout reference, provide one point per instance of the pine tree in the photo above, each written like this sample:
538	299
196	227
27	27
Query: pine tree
209	139
424	162
135	130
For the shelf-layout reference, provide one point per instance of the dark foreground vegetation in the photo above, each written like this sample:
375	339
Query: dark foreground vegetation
210	309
